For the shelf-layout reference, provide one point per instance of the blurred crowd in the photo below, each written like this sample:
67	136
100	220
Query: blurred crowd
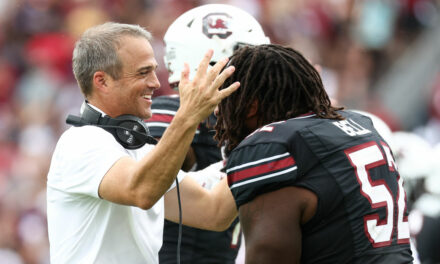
354	43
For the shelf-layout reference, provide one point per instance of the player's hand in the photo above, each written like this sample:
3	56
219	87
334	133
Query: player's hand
200	96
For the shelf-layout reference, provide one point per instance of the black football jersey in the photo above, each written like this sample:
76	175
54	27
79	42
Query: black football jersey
361	215
198	246
205	147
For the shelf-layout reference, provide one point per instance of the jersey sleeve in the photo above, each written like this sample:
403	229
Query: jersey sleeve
256	169
164	109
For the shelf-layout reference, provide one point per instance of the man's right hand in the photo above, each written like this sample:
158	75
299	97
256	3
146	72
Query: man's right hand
200	96
142	183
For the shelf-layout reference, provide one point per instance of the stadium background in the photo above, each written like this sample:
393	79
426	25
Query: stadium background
382	56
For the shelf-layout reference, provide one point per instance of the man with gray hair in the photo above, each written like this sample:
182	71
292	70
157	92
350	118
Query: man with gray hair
109	188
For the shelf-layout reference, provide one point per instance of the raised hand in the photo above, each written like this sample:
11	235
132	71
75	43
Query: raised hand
200	96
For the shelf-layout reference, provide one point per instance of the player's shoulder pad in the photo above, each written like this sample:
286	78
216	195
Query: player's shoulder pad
166	102
270	133
281	131
357	116
163	110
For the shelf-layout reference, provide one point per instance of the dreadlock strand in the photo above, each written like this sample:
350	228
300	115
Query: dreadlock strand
284	83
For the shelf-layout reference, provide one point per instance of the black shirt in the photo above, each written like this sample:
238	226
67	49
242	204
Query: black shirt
361	215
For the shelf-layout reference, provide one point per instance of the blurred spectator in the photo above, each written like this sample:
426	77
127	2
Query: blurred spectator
431	130
355	42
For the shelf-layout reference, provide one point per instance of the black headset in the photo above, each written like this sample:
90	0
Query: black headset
130	131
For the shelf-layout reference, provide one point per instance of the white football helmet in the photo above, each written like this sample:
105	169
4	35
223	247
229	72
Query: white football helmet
432	183
220	27
413	155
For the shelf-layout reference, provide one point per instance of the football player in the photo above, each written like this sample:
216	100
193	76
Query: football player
224	29
313	183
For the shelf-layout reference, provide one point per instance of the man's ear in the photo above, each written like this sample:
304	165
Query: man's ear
100	81
252	109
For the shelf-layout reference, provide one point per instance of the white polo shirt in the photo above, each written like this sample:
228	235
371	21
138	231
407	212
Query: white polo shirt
84	228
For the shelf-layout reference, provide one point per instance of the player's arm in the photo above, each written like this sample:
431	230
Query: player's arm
212	210
143	183
190	160
272	224
261	177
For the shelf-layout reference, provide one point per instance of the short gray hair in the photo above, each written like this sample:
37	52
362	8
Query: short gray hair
96	50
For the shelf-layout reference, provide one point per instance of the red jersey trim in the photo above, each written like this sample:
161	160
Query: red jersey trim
261	169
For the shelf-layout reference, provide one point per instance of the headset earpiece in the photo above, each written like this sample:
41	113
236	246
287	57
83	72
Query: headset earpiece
130	131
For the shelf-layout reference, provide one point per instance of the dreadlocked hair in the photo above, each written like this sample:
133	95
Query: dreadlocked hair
281	80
